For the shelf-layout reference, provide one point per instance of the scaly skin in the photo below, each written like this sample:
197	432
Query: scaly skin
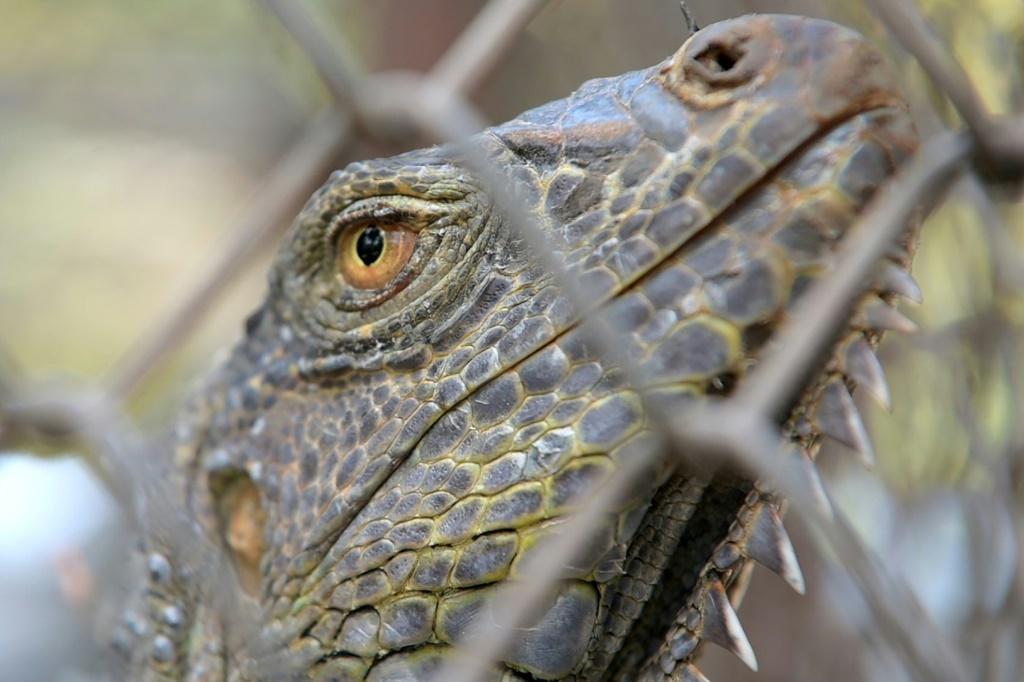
345	492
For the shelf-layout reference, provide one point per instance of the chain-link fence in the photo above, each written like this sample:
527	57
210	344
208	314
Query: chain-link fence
983	158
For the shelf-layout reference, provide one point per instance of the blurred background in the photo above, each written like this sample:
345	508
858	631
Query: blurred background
133	137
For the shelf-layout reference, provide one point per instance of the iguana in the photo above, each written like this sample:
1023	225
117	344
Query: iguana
414	408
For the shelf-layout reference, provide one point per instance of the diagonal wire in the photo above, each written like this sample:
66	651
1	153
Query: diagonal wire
337	64
905	627
910	28
1000	142
777	381
271	210
482	44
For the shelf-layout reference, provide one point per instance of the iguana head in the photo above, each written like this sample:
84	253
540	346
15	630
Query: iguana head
413	408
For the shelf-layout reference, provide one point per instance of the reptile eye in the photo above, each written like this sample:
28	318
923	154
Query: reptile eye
371	255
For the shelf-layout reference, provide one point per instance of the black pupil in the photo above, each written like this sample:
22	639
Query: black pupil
370	245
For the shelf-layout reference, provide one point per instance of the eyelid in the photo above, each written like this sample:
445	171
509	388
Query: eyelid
413	212
353	220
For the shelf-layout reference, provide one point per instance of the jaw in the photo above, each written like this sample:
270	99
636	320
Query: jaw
721	293
505	463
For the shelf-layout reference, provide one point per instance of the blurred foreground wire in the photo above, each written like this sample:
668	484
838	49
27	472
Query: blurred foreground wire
989	152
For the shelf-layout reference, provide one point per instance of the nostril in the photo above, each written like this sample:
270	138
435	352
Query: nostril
719	58
719	63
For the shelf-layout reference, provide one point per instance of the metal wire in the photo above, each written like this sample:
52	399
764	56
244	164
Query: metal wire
744	425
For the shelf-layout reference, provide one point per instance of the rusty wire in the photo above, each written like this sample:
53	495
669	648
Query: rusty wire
743	427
